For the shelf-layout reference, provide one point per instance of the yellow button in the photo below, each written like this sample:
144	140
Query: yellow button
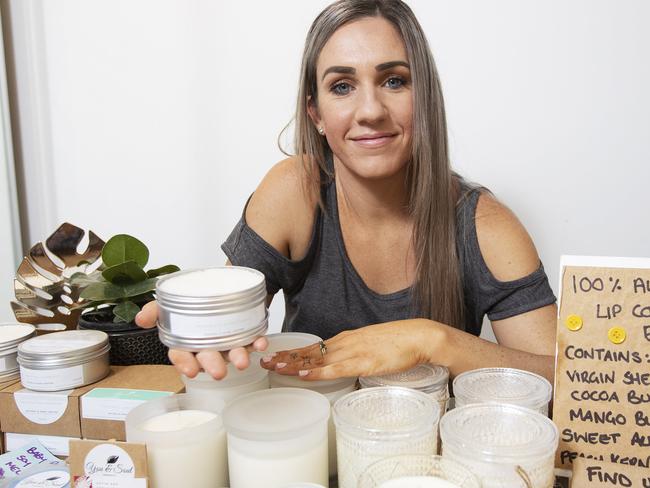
573	322
616	335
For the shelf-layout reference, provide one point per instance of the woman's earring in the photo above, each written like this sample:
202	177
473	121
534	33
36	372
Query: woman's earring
321	131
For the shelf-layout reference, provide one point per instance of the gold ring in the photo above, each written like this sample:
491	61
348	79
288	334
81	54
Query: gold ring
323	348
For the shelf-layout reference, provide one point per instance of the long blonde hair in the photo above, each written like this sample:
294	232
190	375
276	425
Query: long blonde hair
433	188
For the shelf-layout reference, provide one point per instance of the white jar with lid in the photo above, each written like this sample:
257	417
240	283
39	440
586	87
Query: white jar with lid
503	445
276	437
235	384
417	471
11	335
185	438
214	308
376	423
63	360
503	385
332	389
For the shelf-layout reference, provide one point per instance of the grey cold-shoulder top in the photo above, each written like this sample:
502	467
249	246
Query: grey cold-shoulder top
324	294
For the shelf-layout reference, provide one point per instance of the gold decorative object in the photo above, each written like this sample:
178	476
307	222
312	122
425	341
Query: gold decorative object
44	296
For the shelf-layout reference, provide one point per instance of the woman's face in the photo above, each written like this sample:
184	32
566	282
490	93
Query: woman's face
364	101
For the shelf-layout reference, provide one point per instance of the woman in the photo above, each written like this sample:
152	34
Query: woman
378	246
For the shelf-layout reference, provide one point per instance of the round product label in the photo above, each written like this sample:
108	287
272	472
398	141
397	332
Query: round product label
45	479
109	460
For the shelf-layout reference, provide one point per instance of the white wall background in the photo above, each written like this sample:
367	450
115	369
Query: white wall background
162	115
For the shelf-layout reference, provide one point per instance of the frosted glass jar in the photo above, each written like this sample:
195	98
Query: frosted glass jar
332	389
236	383
11	335
186	441
503	445
376	423
503	385
214	308
414	471
63	360
276	437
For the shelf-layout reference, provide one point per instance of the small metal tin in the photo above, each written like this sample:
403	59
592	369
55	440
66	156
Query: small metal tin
64	360
11	335
213	308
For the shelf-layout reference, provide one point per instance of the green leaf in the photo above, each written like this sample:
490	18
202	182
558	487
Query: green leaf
139	288
82	279
125	311
103	291
122	248
170	268
124	273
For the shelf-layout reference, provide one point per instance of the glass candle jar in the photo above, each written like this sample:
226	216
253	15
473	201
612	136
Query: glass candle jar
417	471
185	439
429	379
11	335
503	445
215	308
332	389
236	383
376	423
503	385
63	360
276	437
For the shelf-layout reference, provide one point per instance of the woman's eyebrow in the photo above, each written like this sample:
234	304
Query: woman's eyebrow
350	71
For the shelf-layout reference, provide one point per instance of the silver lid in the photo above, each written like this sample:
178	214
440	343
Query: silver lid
12	334
219	343
424	377
193	298
66	348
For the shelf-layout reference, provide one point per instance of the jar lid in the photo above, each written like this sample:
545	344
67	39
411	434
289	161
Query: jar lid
234	377
503	385
386	412
498	432
424	377
66	348
12	334
276	414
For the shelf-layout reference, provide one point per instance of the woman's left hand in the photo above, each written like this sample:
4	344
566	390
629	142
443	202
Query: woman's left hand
372	350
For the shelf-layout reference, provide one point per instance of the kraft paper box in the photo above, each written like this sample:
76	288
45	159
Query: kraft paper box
108	464
105	406
24	411
4	385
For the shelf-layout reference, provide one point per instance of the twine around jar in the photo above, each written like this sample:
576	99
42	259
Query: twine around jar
524	476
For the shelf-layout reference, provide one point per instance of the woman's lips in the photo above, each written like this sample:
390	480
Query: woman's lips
374	141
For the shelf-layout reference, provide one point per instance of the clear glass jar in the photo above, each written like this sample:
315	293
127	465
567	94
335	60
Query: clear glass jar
277	436
376	423
503	385
503	445
411	470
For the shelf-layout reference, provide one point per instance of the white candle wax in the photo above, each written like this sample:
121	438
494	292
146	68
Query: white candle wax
197	463
418	482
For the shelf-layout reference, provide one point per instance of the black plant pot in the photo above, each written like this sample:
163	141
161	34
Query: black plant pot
130	344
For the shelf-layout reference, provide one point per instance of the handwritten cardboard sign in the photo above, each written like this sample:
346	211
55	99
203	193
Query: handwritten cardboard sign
589	473
602	383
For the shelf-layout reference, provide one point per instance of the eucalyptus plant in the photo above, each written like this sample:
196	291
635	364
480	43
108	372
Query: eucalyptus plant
121	281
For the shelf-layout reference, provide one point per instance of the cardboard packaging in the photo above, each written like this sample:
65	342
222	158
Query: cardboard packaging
4	385
24	411
108	464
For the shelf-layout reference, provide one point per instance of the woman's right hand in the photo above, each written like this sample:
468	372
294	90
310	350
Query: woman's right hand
212	362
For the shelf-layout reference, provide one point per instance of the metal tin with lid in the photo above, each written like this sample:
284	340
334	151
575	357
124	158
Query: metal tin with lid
213	308
11	335
503	385
63	360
